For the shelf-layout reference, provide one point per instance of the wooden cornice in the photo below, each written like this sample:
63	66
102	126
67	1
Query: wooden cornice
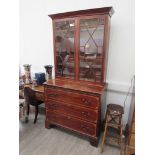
97	11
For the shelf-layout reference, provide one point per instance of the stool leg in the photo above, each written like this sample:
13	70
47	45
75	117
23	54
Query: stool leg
103	139
104	133
19	112
36	114
121	140
24	109
27	108
120	130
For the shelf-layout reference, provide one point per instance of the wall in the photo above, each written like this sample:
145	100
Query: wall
36	39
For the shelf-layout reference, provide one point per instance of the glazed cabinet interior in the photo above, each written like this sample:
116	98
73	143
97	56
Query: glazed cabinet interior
80	46
73	98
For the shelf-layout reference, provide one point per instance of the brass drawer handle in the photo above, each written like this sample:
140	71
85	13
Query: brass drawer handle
85	128
54	105
85	101
52	95
67	119
85	114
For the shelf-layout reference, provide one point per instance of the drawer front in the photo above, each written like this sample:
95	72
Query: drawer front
72	98
82	113
71	123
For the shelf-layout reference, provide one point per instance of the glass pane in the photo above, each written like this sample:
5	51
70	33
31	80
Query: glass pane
65	48
91	44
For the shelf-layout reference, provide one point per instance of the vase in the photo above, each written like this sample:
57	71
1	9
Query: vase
48	69
27	69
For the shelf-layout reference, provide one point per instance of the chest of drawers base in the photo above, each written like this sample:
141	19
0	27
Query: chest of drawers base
73	109
93	140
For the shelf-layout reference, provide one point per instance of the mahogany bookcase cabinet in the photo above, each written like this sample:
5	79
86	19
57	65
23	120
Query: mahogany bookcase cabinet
73	98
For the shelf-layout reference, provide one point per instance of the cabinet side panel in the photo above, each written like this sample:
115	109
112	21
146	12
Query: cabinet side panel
105	46
103	105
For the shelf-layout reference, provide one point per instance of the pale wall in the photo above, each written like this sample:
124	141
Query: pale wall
36	46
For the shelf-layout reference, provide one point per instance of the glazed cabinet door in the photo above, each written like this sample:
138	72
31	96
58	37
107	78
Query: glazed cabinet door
91	48
64	34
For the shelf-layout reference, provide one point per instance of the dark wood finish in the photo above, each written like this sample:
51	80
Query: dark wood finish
73	98
71	122
32	99
106	10
75	111
38	89
71	106
67	48
39	96
81	86
47	124
94	142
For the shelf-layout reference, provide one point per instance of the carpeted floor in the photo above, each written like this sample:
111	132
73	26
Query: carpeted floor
35	139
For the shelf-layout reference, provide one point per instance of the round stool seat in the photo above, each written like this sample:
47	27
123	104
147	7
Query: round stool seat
115	109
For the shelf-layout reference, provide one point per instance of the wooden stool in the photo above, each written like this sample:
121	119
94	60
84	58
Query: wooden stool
113	119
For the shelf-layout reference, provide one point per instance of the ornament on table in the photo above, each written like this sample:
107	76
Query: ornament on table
27	69
48	69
